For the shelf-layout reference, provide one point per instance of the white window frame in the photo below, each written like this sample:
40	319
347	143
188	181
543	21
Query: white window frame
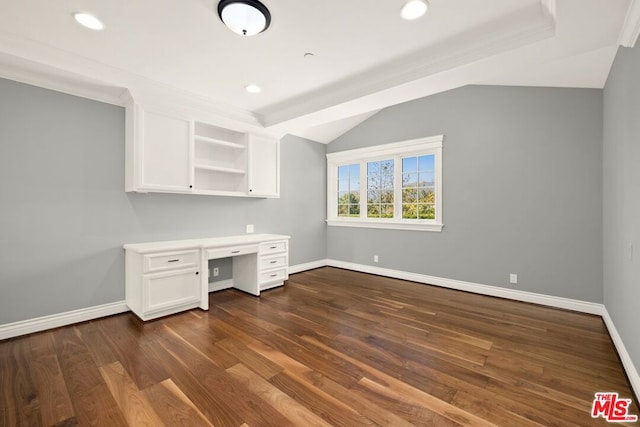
395	151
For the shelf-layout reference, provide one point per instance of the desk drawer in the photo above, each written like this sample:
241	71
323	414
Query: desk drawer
273	276
231	251
273	247
273	262
170	261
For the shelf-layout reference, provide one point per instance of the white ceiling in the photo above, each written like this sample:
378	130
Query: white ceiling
365	56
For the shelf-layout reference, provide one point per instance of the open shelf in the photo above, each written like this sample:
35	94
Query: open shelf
220	160
219	169
220	142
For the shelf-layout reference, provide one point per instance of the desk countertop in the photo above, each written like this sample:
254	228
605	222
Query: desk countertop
212	242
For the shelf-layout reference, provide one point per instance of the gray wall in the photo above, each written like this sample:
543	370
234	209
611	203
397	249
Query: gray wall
622	197
522	190
64	213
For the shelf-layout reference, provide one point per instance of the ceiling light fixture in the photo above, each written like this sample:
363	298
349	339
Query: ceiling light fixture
253	88
244	17
414	9
88	20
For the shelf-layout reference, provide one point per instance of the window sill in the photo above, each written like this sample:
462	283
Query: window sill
386	225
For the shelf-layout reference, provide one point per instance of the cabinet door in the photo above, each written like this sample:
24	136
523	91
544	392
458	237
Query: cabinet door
165	152
264	167
163	291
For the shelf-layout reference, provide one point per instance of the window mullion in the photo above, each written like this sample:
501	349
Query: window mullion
397	188
363	189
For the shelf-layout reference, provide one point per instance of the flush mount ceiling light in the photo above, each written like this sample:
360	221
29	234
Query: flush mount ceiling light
244	17
414	9
88	20
253	88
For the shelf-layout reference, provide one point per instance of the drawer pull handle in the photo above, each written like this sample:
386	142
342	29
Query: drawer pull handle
273	247
273	262
274	275
235	252
173	260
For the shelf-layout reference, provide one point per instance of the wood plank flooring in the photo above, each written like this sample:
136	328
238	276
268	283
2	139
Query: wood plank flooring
332	347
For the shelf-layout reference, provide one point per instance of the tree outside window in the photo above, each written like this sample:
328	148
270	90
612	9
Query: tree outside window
418	187
380	189
349	190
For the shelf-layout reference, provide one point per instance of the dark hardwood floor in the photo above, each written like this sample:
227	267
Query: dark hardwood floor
332	347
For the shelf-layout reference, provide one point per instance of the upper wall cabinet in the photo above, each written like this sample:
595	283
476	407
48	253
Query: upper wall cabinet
157	152
171	154
264	167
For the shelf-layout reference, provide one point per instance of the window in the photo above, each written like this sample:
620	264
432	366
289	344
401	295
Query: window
395	185
349	191
380	189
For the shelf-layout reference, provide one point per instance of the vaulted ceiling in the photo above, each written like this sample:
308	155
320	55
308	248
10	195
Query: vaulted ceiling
365	57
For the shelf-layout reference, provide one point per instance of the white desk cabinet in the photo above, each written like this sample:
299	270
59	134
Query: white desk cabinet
273	264
168	277
163	282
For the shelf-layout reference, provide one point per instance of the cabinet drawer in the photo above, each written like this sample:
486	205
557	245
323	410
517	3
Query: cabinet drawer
273	247
273	262
231	251
170	261
273	276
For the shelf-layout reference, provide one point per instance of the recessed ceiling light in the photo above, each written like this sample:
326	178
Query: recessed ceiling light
89	21
253	88
414	9
309	55
244	17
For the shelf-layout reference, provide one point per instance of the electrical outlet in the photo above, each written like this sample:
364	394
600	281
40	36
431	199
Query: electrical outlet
216	272
513	279
249	228
375	258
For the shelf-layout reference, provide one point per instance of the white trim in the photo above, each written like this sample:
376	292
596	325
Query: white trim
477	288
394	151
38	324
220	285
631	28
293	269
427	143
416	226
629	367
530	297
549	8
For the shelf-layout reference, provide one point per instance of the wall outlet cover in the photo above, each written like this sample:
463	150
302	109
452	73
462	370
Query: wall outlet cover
249	228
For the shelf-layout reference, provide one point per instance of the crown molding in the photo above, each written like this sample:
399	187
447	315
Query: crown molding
37	64
631	28
23	71
525	26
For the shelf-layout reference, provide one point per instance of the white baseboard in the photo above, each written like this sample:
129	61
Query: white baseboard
548	300
220	285
30	326
629	367
308	266
24	327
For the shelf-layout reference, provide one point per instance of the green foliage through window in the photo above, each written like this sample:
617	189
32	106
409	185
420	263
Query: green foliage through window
380	189
418	187
349	190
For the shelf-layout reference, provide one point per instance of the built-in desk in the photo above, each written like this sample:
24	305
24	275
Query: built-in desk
167	277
